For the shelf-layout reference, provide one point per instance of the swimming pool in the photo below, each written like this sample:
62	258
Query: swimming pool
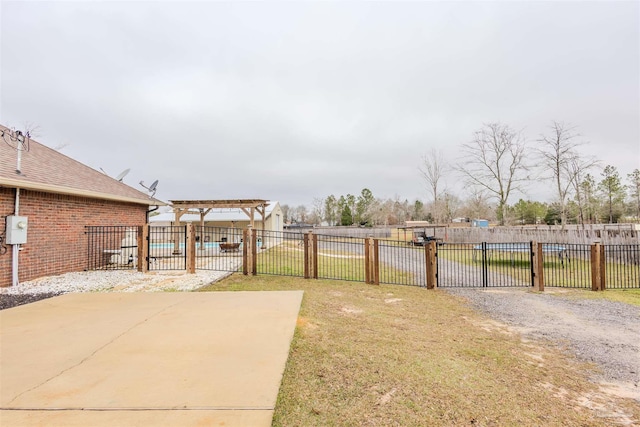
519	247
207	245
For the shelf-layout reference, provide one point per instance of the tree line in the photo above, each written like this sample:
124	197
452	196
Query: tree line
495	164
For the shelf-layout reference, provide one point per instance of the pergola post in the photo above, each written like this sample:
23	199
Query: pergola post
176	233
248	206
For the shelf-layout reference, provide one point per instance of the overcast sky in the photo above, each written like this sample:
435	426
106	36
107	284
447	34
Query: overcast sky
292	101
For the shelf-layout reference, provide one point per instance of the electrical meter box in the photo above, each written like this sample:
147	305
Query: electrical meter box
16	230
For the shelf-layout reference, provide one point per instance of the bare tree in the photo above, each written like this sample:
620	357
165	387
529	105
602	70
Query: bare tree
557	151
286	213
477	205
494	160
433	170
317	210
634	191
301	214
451	204
580	180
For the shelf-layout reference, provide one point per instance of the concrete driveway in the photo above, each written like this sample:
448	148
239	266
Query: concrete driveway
145	359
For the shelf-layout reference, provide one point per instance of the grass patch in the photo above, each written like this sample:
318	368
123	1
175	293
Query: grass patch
571	273
627	296
403	356
288	260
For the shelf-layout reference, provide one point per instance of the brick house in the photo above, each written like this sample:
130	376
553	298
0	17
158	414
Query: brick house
59	196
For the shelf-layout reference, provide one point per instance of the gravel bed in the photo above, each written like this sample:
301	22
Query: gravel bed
14	300
105	281
599	331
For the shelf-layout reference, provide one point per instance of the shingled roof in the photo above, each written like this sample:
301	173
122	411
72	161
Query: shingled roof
45	169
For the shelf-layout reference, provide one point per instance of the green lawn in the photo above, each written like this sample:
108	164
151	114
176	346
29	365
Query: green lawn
572	273
366	355
627	296
287	259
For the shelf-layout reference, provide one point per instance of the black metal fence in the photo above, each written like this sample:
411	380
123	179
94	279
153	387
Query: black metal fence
568	267
460	266
112	247
622	266
167	248
485	265
365	259
401	264
219	248
281	253
340	258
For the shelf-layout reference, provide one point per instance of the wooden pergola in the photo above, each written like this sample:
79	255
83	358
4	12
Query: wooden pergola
248	206
203	207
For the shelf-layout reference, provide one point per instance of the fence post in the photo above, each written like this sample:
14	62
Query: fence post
537	266
191	249
305	246
367	260
485	267
310	255
176	240
371	264
254	252
314	255
431	264
603	268
246	244
596	280
376	262
143	248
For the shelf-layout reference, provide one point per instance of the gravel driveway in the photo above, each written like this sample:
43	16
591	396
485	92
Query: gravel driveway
600	331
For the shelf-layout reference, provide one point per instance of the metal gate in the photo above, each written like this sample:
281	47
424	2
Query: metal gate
219	248
167	248
471	265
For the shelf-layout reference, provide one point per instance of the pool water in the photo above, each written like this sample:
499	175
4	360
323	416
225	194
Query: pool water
207	245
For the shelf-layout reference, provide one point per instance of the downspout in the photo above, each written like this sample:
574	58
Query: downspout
15	248
149	211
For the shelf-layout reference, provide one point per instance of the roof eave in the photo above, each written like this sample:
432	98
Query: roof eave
36	186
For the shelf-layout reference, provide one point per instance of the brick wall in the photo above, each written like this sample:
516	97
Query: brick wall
56	240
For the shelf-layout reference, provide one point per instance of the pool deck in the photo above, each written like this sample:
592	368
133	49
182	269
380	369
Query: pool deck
145	359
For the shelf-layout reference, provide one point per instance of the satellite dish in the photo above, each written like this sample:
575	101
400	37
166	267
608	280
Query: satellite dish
103	171
122	174
151	188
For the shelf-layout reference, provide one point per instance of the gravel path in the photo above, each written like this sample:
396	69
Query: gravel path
600	331
105	281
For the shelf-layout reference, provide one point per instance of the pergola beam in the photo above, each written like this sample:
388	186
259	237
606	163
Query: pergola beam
248	206
212	204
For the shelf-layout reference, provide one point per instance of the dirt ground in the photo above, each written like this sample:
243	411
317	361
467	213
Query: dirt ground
604	333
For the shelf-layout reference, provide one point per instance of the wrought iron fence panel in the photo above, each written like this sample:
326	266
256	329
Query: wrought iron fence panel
400	264
280	253
509	264
112	247
460	265
219	248
567	265
622	267
341	258
484	264
167	249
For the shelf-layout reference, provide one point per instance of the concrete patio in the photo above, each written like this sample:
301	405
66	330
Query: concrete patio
145	359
